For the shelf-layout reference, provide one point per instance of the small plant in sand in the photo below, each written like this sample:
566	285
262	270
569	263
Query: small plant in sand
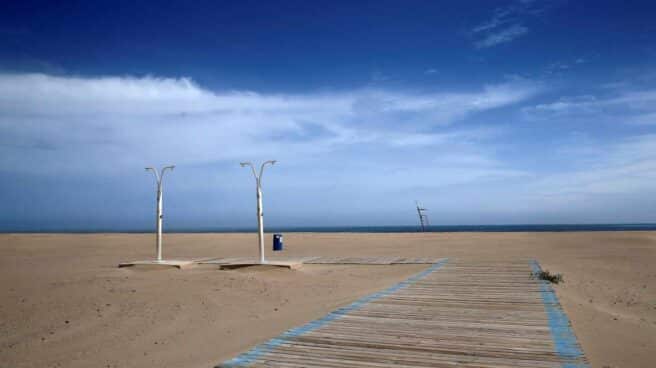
554	278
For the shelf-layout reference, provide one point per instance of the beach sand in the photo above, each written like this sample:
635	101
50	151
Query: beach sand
65	303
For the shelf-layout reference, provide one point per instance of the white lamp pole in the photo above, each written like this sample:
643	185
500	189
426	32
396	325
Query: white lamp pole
158	178
260	216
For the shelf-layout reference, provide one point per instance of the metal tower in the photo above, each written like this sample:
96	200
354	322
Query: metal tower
423	218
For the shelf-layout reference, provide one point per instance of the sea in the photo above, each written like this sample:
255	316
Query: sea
371	229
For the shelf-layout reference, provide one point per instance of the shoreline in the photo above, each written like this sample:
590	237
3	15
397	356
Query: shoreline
254	231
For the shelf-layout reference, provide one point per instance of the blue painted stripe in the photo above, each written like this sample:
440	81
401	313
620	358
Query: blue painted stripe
565	343
250	356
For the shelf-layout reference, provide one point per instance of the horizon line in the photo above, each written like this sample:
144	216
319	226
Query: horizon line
535	227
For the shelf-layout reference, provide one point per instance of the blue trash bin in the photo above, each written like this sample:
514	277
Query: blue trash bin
277	242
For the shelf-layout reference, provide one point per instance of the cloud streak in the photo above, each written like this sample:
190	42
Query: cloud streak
502	36
506	24
635	107
53	119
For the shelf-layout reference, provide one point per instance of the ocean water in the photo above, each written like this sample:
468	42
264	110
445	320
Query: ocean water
457	228
374	229
475	228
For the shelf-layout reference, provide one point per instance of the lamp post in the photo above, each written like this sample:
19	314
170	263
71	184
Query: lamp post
158	178
260	216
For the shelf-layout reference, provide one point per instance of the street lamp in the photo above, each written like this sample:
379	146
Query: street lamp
158	179
260	219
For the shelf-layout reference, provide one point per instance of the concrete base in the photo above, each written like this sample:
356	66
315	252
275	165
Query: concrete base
292	265
159	264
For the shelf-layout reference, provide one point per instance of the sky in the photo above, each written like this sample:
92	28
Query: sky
487	112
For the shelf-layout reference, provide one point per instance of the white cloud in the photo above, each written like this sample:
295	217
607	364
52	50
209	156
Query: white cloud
501	16
72	123
501	36
638	107
506	24
566	106
628	166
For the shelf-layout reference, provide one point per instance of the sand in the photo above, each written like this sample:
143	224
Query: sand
66	304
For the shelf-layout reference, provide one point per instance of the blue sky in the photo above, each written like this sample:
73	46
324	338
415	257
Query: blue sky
491	112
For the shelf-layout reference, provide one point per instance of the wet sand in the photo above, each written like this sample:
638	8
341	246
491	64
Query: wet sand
66	304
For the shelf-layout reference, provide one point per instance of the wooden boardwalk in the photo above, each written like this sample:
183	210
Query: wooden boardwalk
456	313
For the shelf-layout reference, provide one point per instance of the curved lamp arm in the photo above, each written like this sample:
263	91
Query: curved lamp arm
170	167
244	164
154	173
272	162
